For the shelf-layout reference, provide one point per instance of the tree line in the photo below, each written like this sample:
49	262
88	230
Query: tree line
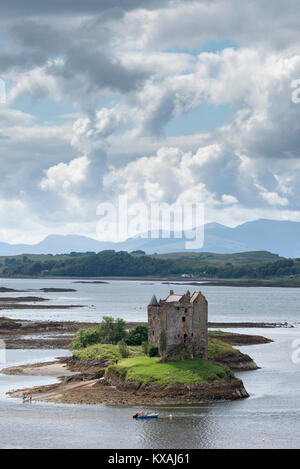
123	264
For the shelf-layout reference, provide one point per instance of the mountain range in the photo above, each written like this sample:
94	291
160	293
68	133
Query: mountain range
279	237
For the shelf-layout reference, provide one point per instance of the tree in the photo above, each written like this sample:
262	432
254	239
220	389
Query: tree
111	331
85	337
137	336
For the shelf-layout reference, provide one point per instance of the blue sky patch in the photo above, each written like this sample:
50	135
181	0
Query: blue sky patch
204	118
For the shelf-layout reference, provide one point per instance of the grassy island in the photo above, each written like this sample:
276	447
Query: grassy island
216	350
140	379
148	370
141	368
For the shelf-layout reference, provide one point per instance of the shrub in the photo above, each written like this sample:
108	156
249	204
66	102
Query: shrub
123	349
153	351
109	331
85	337
106	352
137	336
145	347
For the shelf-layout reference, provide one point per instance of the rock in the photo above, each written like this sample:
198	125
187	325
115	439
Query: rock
240	362
227	390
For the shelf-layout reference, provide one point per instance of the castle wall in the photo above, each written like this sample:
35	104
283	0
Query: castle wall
180	322
184	323
157	320
200	329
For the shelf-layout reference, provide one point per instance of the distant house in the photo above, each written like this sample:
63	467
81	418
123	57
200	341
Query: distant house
179	323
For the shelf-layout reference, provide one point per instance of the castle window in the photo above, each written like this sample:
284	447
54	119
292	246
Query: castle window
184	338
153	333
183	318
185	310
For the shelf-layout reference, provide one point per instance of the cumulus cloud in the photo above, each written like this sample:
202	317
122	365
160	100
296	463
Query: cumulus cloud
35	83
192	24
170	176
77	7
123	73
64	177
88	131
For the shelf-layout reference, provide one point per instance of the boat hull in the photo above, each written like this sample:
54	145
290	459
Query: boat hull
146	417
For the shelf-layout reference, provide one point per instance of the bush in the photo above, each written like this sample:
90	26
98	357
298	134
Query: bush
85	337
145	347
106	352
153	351
123	349
109	331
137	336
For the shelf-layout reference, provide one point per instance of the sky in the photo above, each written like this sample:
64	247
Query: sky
162	101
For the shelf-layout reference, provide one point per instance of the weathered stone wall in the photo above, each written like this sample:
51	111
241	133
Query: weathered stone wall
157	320
184	322
200	330
179	325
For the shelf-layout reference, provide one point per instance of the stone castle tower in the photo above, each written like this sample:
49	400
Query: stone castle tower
179	323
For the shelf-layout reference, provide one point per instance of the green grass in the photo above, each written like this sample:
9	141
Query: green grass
105	352
217	333
147	370
144	369
218	349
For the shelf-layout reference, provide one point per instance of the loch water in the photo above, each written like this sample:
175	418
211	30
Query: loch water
269	418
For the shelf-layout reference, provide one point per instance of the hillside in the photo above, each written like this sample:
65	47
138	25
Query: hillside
238	258
279	237
123	264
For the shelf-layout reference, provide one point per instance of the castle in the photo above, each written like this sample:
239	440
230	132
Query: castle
179	323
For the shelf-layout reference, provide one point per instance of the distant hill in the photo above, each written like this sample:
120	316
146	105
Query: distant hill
240	258
110	263
279	237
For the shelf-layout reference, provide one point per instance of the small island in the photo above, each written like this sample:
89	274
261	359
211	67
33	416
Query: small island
172	360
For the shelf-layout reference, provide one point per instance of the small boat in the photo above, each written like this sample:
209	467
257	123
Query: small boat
141	415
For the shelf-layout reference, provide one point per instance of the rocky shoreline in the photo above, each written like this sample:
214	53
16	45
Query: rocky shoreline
25	334
83	381
75	387
234	338
240	362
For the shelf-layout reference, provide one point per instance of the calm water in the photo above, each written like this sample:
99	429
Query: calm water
128	299
271	413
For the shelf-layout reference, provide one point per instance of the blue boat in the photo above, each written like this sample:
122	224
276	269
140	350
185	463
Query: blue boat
145	416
